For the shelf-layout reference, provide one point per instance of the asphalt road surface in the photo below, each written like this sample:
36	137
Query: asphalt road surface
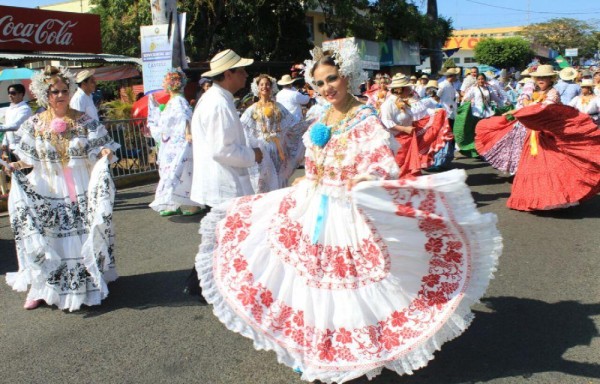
538	322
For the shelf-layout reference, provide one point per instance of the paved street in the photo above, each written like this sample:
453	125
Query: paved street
538	323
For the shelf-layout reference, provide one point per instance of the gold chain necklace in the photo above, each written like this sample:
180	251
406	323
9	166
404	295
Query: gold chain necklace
60	141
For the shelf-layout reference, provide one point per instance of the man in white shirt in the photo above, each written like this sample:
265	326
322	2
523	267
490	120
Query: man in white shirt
448	94
221	154
469	81
82	100
220	151
290	98
16	114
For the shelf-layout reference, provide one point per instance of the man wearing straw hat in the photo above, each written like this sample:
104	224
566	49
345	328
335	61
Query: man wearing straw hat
447	93
82	100
290	98
221	154
566	86
220	151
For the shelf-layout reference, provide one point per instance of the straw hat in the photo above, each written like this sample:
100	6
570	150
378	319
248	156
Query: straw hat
399	81
490	75
413	77
225	60
568	74
424	77
525	72
83	75
286	80
545	70
587	83
526	80
450	72
432	84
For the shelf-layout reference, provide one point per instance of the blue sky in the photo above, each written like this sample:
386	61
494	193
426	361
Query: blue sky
474	13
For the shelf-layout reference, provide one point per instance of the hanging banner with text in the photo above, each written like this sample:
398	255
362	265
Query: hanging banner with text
157	53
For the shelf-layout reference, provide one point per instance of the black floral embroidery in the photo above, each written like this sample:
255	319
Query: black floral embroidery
69	279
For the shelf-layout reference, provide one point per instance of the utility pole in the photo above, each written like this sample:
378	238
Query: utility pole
435	46
165	12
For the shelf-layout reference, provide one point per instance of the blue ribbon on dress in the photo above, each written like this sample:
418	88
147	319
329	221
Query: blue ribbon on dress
320	218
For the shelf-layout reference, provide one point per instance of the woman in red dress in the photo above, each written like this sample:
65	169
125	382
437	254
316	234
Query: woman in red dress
560	161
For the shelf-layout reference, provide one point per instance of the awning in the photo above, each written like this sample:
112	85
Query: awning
118	72
87	57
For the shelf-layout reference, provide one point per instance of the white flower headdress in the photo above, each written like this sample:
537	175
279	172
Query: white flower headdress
254	86
41	82
347	58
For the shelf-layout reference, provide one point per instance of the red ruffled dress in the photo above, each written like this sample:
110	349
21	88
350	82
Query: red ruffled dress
560	162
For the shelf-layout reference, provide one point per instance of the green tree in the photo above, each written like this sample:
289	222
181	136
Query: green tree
504	53
381	20
264	29
120	23
562	33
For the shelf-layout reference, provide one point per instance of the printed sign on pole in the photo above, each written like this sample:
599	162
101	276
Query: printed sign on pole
571	52
156	55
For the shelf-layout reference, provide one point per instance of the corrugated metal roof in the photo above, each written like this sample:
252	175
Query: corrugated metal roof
103	57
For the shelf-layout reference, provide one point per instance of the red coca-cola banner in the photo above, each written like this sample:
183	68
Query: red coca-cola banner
31	30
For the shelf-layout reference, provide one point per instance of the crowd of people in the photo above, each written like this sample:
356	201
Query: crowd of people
370	260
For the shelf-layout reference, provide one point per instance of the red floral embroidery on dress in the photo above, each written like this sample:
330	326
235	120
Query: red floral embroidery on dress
370	156
326	266
332	348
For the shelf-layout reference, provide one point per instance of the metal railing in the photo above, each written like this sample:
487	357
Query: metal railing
138	151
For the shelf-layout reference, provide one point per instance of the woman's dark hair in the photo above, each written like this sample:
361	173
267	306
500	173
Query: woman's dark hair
327	59
481	75
431	92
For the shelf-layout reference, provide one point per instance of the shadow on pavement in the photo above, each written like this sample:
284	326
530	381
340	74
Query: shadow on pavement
150	290
587	209
8	256
516	338
120	206
483	199
481	179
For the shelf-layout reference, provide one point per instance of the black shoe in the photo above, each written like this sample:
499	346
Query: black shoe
192	286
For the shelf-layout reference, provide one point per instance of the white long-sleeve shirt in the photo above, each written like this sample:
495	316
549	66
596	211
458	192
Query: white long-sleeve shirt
591	108
447	94
293	101
84	103
16	114
221	154
481	98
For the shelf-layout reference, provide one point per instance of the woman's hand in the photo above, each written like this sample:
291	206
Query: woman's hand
298	180
16	166
359	179
106	152
408	129
188	137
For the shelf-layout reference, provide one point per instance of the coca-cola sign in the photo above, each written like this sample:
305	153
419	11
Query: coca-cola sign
32	30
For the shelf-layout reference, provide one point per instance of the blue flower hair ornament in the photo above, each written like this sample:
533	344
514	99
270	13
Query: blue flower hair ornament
320	134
